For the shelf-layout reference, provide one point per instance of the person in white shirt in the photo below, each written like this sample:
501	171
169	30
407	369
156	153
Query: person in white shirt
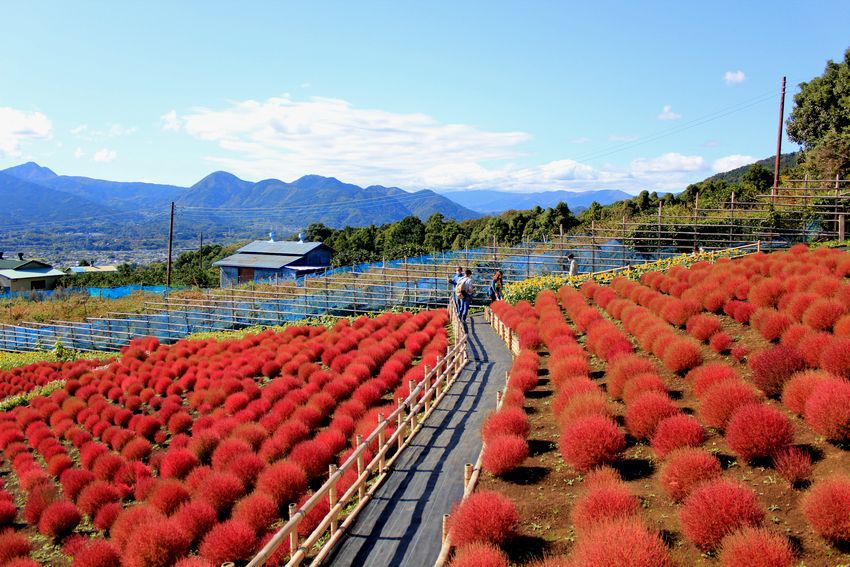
464	295
573	266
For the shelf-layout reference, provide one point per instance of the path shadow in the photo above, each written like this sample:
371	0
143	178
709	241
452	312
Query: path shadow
671	539
597	374
535	395
526	475
537	447
523	549
726	461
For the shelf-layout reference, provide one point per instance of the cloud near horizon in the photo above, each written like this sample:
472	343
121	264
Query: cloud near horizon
728	163
18	127
732	78
284	138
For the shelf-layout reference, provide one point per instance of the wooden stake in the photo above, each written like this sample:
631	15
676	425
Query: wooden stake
332	497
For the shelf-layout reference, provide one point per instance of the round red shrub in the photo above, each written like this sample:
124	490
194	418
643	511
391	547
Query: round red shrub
721	400
755	547
835	357
624	543
284	482
13	545
591	441
707	375
257	510
95	495
220	490
107	515
826	507
228	450
797	390
39	498
772	367
685	468
758	430
504	453
793	463
602	504
195	561
721	342
167	495
823	313
827	409
485	516
622	369
479	554
640	384
160	544
717	508
195	518
682	355
679	430
131	519
644	414
584	404
702	327
8	513
506	421
97	553
59	519
74	480
231	541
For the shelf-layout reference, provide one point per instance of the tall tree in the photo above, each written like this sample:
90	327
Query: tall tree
822	105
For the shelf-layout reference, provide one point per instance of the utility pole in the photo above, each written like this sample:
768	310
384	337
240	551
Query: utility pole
201	253
170	245
778	143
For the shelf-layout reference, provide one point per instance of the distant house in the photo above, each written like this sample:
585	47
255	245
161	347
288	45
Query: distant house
26	275
270	260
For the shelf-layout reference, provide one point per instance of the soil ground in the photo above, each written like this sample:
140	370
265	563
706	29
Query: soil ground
545	487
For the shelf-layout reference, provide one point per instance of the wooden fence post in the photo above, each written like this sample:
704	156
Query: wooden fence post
332	497
361	489
381	443
293	535
467	475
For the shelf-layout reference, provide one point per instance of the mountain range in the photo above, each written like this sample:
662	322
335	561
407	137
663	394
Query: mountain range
493	202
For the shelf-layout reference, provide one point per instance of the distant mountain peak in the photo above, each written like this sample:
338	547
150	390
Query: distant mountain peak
313	181
30	171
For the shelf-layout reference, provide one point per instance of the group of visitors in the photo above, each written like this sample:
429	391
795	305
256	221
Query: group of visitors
462	289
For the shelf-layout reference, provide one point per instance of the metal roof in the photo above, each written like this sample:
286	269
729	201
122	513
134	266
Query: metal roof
31	274
288	248
14	263
93	269
267	261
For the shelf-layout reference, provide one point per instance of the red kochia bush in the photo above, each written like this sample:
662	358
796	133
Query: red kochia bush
702	327
97	553
167	495
704	377
794	464
231	541
826	507
644	414
602	504
512	421
12	545
827	409
717	508
758	430
679	430
756	547
8	512
160	544
504	453
95	495
591	441
131	520
823	313
283	481
685	468
835	357
773	367
485	516
682	355
257	510
641	384
196	518
720	342
479	554
797	390
624	543
220	490
59	519
622	369
722	399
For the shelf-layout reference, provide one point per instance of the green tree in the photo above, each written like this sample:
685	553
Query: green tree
831	156
317	232
434	232
822	105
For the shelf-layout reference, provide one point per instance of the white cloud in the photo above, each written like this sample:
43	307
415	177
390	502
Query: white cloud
105	155
170	121
286	138
668	114
580	140
732	78
79	153
729	163
668	163
622	138
79	129
18	127
116	130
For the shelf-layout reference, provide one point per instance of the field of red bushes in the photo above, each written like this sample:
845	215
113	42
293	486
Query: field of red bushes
696	417
190	454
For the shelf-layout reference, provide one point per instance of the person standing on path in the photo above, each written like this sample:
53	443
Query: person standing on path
573	266
496	287
464	295
453	279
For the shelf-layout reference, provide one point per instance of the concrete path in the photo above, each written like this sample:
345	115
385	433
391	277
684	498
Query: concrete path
403	523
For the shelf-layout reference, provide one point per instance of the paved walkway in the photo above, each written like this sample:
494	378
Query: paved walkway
403	523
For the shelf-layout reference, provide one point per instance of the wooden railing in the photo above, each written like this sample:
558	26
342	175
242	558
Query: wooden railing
407	419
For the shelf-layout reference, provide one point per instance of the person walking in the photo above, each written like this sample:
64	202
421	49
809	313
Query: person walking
464	295
573	266
453	279
496	287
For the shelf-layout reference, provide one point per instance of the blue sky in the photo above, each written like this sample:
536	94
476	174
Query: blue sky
450	95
